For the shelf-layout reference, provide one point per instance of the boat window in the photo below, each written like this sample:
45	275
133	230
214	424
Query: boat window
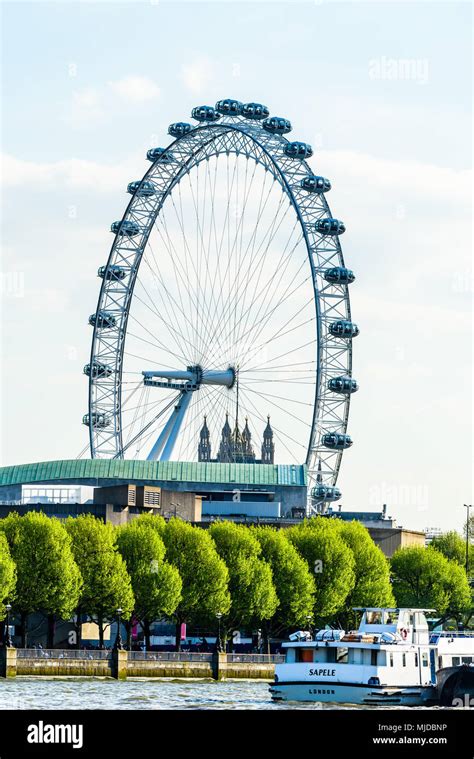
374	618
391	659
440	662
424	659
381	659
466	659
373	658
304	654
342	655
404	660
416	658
456	661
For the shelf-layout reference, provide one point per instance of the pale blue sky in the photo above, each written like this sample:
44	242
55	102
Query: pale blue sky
381	90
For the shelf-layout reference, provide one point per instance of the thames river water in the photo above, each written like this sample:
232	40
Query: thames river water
70	693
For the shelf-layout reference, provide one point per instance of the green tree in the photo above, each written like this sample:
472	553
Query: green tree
372	585
319	542
152	520
423	577
252	592
7	579
107	585
453	546
294	584
156	584
203	573
48	578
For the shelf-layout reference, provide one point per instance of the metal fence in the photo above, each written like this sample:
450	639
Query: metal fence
60	653
164	656
453	634
255	658
168	656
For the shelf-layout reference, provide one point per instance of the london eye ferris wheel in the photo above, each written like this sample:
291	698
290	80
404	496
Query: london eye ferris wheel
225	295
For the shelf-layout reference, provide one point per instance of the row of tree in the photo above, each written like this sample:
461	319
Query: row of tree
313	573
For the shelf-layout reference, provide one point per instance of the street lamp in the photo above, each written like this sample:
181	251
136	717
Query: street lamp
218	641
467	506
8	640
118	640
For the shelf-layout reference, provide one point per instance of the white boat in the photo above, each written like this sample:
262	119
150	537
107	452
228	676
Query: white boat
392	659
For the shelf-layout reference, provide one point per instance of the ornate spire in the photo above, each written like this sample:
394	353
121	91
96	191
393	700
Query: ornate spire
225	448
204	447
248	452
268	446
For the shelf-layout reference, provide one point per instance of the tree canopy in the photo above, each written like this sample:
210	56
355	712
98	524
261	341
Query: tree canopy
252	592
48	578
294	583
331	561
424	578
156	584
372	585
7	575
107	585
203	573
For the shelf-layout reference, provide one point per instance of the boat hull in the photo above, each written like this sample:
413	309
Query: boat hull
347	693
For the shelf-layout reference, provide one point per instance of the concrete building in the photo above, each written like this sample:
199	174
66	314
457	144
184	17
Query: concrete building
123	489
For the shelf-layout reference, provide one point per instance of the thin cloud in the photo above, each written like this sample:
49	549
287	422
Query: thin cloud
137	89
197	75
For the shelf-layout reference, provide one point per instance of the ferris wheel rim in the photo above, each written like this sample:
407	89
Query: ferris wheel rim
212	131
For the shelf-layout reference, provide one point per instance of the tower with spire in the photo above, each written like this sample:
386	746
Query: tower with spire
225	448
236	445
268	446
204	447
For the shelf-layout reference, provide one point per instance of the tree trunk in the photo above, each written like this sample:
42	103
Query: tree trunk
24	629
100	623
50	636
78	629
266	637
178	636
146	631
3	622
128	629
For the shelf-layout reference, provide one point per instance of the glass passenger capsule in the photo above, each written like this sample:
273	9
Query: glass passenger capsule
316	184
339	275
298	150
343	385
142	189
160	154
96	420
255	111
205	113
229	107
336	441
330	227
179	128
344	328
277	125
111	272
125	228
103	319
97	370
325	493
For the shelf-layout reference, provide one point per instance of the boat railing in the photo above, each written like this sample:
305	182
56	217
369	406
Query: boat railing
434	636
